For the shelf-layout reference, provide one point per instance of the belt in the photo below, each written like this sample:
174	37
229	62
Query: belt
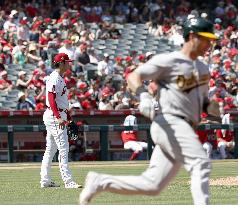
59	109
190	122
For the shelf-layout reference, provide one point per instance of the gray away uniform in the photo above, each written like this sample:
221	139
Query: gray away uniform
183	85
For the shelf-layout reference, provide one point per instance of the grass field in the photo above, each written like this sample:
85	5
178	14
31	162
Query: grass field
19	184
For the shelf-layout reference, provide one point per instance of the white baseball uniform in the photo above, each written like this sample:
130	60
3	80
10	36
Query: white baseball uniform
56	138
183	85
134	145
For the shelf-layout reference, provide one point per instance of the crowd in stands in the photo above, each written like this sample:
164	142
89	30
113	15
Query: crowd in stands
31	33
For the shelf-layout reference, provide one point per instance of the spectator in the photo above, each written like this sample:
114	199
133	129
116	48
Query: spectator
17	47
225	143
2	67
23	104
22	83
104	67
81	58
20	57
5	84
44	42
93	56
32	55
130	138
6	55
41	68
144	14
118	66
207	137
23	30
67	48
104	101
10	25
120	17
69	80
114	33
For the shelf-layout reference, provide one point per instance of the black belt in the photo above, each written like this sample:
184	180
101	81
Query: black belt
59	109
190	122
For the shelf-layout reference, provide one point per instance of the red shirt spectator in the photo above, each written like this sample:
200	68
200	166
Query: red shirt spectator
93	17
5	83
227	137
207	136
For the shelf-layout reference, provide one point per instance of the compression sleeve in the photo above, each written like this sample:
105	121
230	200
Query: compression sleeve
53	105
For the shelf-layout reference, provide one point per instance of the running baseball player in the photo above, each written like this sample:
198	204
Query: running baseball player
55	119
130	138
182	88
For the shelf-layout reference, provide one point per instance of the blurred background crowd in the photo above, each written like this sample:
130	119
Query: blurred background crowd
107	40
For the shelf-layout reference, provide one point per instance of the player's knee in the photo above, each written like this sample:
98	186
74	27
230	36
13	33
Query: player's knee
221	144
64	151
139	149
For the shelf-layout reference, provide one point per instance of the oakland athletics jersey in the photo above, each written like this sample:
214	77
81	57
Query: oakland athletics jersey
182	83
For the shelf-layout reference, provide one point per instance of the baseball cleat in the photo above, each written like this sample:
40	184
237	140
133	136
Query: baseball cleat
90	188
50	184
73	185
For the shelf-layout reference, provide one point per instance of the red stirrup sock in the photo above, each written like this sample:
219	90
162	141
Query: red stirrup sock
134	155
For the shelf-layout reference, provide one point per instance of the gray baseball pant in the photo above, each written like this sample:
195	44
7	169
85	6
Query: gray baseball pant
176	144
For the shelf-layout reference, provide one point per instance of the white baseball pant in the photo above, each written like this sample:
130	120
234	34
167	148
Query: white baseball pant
176	144
56	139
208	148
136	146
222	149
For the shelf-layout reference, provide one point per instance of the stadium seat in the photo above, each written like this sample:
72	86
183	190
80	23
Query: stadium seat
2	98
14	67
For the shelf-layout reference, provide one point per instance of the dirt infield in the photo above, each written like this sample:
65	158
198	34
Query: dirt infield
225	181
19	166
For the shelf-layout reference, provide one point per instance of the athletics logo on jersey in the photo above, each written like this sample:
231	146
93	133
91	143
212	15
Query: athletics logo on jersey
187	84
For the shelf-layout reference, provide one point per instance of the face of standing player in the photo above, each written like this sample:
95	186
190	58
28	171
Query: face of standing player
65	66
200	44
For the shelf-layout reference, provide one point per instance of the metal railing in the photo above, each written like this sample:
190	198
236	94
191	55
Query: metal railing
103	130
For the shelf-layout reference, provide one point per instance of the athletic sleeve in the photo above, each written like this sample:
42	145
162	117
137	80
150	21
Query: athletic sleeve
53	105
155	68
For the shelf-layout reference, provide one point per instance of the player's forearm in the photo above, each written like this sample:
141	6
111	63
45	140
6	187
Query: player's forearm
53	105
69	118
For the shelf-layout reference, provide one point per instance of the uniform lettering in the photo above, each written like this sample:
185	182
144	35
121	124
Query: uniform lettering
64	90
187	84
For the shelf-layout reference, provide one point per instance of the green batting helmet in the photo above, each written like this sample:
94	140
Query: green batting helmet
199	26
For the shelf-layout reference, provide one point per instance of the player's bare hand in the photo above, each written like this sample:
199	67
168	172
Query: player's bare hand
62	123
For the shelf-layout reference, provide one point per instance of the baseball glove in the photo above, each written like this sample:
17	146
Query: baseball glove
73	131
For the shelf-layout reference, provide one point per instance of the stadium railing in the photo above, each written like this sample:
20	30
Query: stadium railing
103	130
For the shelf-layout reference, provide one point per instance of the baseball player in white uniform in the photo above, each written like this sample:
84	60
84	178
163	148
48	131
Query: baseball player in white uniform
55	119
182	89
130	139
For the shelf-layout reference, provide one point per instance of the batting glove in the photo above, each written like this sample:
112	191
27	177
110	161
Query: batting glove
146	106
